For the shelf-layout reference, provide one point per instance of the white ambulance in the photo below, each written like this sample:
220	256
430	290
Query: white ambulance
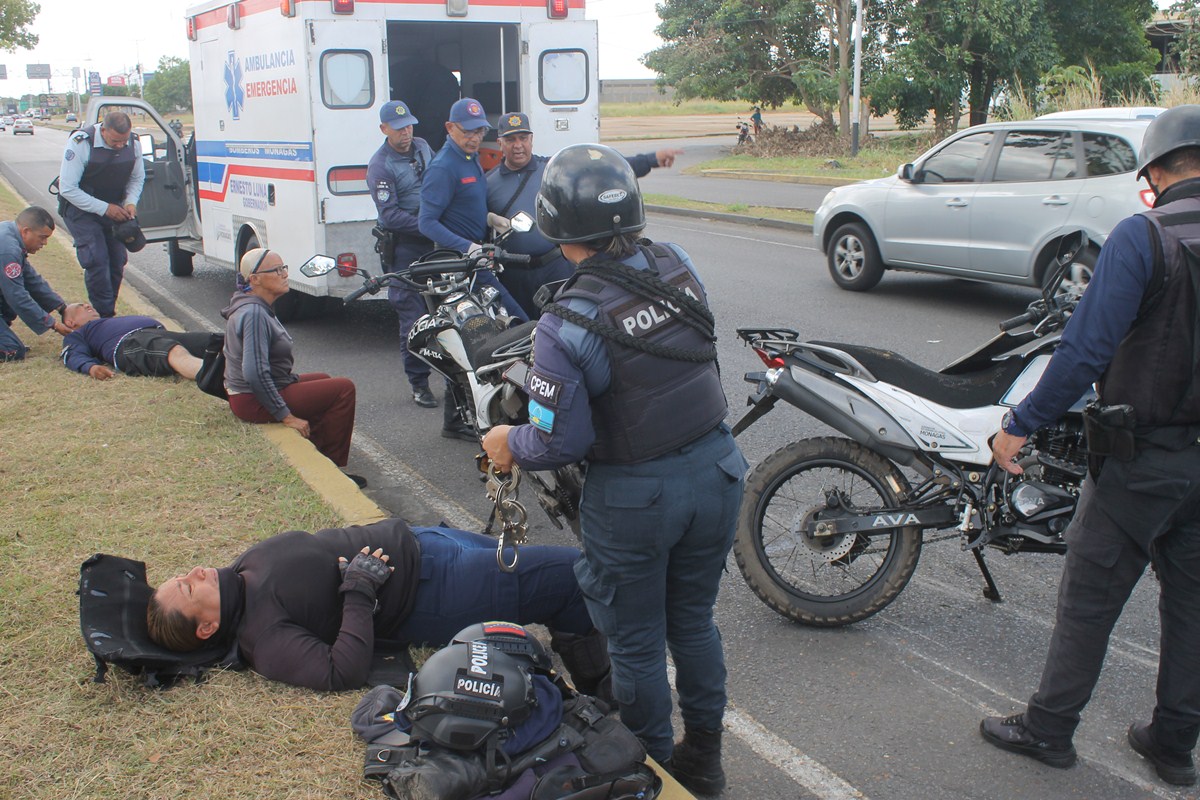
286	95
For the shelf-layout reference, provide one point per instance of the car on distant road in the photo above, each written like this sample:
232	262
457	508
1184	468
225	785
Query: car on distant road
71	117
22	125
989	203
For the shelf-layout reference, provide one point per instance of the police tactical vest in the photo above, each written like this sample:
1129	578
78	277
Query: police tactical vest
107	172
653	404
1155	366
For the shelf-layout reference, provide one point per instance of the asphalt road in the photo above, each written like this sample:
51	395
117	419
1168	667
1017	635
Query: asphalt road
888	708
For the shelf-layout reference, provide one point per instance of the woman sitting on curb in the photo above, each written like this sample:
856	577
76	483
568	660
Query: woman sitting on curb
258	365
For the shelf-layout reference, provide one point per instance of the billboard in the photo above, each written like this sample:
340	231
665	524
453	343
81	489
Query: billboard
40	71
116	80
3	72
94	84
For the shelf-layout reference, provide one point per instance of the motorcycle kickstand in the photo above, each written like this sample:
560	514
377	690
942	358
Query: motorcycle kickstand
991	592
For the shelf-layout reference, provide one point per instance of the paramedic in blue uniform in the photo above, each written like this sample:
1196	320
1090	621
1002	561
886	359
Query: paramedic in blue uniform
512	187
1137	332
23	292
394	175
454	214
99	184
626	338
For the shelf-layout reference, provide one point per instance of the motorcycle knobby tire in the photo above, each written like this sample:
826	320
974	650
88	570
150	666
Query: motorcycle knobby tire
878	589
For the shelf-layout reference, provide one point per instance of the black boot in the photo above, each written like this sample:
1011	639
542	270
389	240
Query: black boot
696	762
586	659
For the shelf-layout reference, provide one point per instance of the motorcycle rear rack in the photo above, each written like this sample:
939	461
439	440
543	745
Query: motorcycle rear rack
778	342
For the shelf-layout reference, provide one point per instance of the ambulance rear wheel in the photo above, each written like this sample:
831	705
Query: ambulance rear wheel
179	261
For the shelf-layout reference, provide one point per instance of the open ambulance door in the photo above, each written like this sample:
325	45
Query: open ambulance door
564	103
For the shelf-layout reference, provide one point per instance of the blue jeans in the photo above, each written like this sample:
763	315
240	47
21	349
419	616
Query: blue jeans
11	347
655	538
461	585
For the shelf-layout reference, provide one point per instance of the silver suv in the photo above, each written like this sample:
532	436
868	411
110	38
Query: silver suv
989	203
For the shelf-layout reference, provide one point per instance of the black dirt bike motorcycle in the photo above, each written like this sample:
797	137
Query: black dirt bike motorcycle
831	527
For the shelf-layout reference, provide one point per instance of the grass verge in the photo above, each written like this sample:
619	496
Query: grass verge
766	212
878	160
152	469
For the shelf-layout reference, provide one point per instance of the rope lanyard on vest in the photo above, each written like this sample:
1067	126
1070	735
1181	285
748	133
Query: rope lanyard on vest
648	286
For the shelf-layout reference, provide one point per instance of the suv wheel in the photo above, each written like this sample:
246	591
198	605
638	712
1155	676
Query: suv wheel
854	261
1078	274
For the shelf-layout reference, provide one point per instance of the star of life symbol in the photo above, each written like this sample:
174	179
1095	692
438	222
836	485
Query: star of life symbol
235	96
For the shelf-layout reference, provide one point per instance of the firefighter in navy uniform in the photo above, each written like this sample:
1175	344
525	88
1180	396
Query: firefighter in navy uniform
1137	330
100	182
625	375
394	175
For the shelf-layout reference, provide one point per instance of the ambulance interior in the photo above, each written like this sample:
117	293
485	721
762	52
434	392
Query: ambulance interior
432	64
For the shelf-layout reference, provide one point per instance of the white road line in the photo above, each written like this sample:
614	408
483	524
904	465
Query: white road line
1133	652
808	772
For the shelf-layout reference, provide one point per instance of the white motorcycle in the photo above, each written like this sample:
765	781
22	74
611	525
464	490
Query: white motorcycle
831	528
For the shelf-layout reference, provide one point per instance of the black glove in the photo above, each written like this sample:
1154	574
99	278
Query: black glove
365	574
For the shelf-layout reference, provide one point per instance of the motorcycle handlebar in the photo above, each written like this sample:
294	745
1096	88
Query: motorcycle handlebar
1017	321
357	293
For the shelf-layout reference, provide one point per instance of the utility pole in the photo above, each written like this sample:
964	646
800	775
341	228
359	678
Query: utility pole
855	107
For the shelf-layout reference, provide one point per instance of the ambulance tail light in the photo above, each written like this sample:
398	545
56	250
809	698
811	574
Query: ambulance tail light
191	29
557	9
1148	197
233	16
347	265
287	8
343	6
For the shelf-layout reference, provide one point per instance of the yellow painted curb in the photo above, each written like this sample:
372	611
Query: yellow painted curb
354	507
671	789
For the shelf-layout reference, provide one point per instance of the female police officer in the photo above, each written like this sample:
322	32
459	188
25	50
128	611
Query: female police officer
625	375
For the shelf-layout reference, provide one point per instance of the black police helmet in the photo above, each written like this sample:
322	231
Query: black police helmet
588	192
467	692
130	234
509	638
1172	129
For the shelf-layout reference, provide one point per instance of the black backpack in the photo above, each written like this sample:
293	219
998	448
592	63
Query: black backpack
113	595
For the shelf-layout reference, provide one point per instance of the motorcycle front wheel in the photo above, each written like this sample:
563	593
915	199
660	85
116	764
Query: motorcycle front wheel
826	581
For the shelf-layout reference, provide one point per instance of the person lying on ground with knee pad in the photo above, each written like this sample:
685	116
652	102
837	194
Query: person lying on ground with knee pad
134	345
311	609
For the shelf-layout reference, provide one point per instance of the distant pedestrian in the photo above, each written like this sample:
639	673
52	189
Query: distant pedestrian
99	183
757	120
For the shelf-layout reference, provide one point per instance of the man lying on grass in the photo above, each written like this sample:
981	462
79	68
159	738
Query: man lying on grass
310	609
133	345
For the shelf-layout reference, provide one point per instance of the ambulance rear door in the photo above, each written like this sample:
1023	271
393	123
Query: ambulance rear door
349	74
562	80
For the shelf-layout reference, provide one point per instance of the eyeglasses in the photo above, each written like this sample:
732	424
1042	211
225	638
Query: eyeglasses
478	133
281	268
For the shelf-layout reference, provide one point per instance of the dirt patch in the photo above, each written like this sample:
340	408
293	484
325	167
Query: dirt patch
613	128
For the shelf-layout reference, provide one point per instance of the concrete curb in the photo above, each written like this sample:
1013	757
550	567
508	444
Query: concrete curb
741	219
778	177
325	479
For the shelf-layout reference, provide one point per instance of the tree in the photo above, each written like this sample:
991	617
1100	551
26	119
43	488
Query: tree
15	18
171	87
765	52
955	50
1187	46
1109	37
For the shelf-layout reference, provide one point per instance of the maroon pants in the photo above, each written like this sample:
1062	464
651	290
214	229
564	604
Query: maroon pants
325	403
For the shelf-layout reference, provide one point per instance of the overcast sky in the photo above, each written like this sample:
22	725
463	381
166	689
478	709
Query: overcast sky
110	37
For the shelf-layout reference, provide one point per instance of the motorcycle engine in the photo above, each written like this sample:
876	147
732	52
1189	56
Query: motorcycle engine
1046	494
